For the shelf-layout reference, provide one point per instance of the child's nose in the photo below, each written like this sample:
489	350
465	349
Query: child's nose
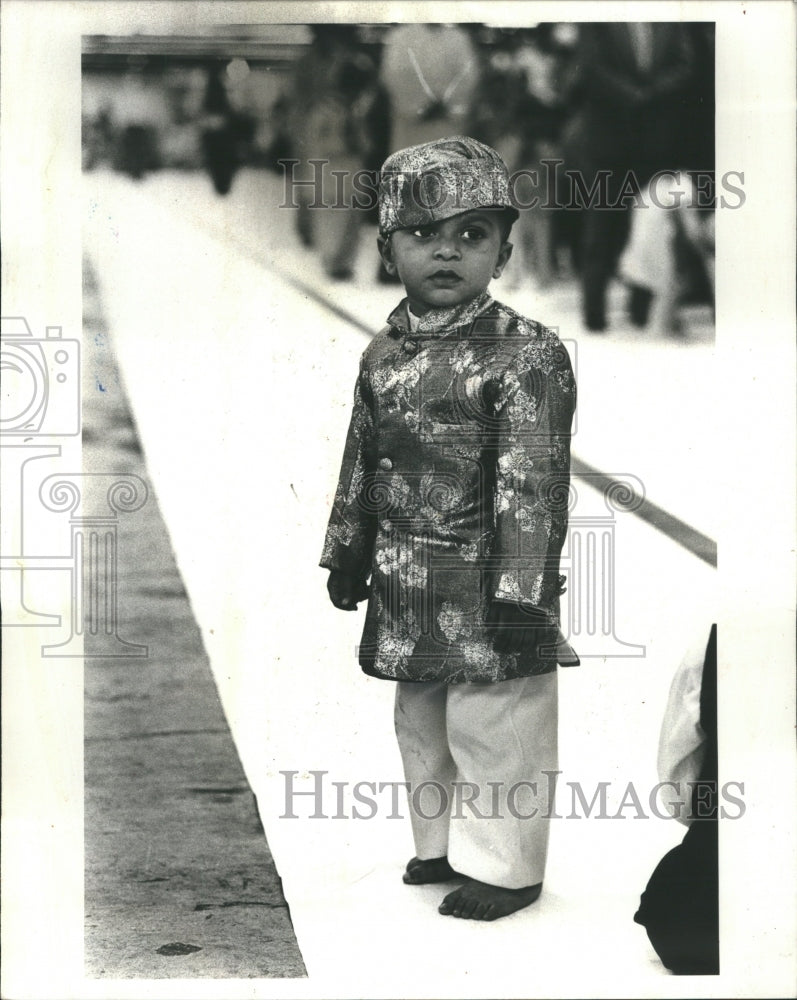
447	249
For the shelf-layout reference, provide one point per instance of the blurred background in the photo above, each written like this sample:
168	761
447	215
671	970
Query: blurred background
581	98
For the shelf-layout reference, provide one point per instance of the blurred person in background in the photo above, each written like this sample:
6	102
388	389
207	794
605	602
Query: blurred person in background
281	145
519	109
311	87
98	135
334	104
671	245
140	112
430	72
669	258
219	138
632	90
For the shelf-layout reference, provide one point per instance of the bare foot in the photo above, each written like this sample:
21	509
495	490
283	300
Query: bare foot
479	901
422	872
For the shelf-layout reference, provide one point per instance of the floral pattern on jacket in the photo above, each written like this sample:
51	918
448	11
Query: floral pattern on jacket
453	489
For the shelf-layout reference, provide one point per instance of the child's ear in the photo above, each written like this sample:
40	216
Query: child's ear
503	259
385	246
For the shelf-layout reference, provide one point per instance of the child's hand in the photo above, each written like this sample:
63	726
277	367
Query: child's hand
346	590
517	629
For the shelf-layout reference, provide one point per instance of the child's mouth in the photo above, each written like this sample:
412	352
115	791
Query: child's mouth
444	277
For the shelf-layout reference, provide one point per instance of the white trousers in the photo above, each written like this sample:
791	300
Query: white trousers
475	758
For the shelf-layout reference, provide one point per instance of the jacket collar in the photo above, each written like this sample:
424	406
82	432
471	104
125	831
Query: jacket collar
439	321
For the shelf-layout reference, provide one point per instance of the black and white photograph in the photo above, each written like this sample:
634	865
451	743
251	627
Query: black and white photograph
399	517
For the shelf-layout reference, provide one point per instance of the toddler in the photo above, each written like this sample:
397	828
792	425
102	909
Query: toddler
449	519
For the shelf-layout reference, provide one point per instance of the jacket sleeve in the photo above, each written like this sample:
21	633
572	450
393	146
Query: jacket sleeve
349	541
532	476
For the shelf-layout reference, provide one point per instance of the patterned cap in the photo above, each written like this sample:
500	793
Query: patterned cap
433	181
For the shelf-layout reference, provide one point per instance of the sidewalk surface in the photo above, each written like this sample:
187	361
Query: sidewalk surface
239	362
179	878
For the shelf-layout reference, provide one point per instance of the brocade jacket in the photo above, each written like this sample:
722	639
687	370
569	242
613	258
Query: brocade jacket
453	490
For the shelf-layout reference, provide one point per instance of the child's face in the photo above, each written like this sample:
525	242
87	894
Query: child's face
450	262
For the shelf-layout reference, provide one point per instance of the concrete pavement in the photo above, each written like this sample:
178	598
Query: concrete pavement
179	879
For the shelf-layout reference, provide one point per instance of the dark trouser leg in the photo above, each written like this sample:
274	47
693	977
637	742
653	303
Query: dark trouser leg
604	234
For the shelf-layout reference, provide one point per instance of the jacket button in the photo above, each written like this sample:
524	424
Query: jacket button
386	464
410	346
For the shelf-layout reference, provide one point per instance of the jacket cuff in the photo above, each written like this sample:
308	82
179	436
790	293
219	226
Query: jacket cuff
509	590
344	560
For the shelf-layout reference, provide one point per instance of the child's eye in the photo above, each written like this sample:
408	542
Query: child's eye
423	232
474	233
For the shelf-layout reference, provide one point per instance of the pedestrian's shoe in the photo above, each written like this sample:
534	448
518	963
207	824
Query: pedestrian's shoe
595	322
639	300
